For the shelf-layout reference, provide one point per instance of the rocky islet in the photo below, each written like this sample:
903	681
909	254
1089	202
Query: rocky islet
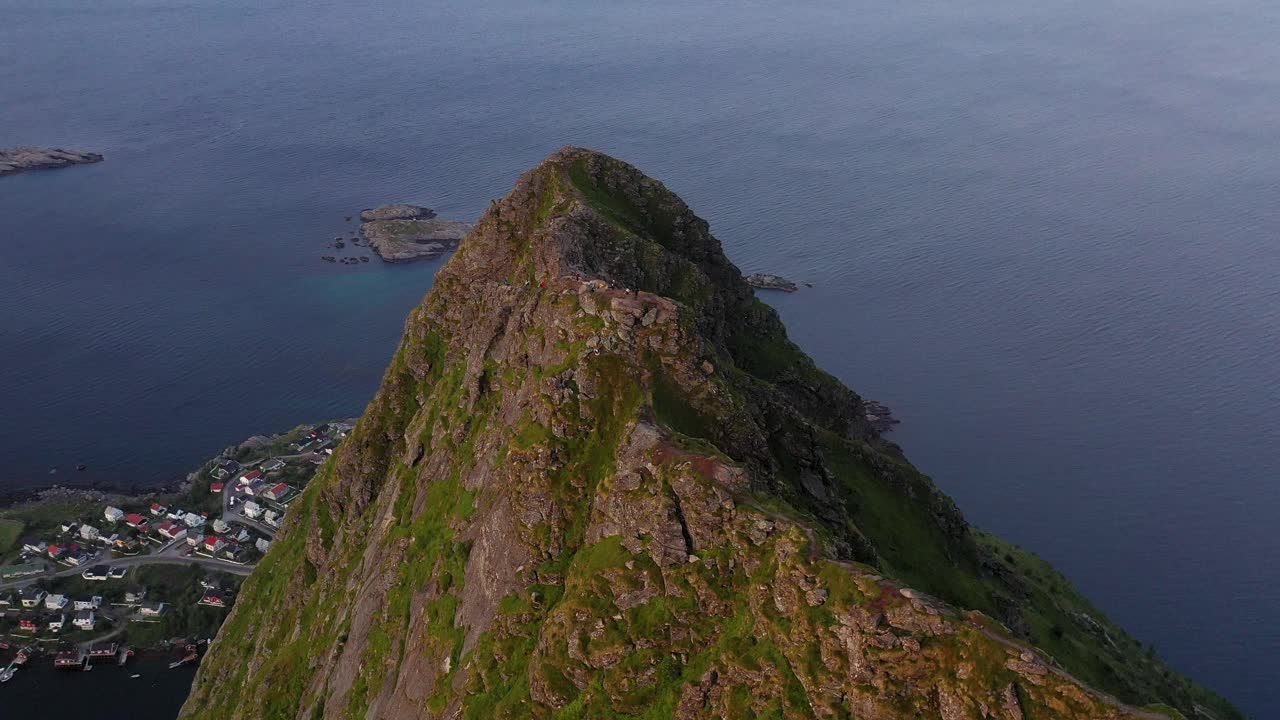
26	157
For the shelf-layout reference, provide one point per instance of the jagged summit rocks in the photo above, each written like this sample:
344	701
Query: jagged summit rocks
598	481
26	157
401	233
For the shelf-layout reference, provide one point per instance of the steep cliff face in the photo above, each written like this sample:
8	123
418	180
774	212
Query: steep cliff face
599	481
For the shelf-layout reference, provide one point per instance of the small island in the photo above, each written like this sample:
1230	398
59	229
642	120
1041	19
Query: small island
401	233
19	159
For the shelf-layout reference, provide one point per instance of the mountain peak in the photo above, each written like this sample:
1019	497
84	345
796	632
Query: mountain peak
600	481
581	213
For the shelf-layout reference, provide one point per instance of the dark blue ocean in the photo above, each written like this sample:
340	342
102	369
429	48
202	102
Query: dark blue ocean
1046	233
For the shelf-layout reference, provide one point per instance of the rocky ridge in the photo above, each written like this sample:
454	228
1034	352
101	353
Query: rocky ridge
599	481
26	157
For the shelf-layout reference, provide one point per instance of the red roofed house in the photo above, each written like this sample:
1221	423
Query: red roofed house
56	551
28	625
171	530
278	491
213	543
133	520
158	509
215	487
250	477
214	598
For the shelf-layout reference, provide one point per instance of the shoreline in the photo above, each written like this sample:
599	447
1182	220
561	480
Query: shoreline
102	491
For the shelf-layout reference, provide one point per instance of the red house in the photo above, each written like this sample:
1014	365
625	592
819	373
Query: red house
133	520
215	488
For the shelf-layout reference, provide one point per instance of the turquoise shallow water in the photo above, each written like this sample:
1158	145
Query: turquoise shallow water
1044	234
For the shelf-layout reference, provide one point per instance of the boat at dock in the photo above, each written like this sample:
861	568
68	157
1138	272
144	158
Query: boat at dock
192	655
23	656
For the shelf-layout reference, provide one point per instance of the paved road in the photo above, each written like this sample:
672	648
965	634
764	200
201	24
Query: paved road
164	556
180	560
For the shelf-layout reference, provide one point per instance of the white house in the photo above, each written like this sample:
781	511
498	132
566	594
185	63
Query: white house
85	620
252	510
192	520
272	518
220	526
194	539
152	608
113	514
56	622
89	532
55	602
263	545
92	603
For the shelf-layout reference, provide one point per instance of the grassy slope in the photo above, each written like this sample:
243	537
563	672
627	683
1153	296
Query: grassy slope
10	533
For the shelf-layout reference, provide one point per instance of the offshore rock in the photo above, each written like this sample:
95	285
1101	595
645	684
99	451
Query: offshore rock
768	281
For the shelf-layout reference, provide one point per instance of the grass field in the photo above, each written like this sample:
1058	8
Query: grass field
10	532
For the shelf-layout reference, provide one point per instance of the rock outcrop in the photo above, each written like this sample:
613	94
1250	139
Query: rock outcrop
16	160
769	281
396	211
599	481
401	233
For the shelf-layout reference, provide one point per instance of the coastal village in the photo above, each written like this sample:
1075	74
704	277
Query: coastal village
87	578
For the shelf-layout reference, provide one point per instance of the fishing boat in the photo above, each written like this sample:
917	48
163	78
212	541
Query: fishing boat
192	654
7	674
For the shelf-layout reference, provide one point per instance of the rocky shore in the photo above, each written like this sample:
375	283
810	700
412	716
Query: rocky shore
401	233
16	160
